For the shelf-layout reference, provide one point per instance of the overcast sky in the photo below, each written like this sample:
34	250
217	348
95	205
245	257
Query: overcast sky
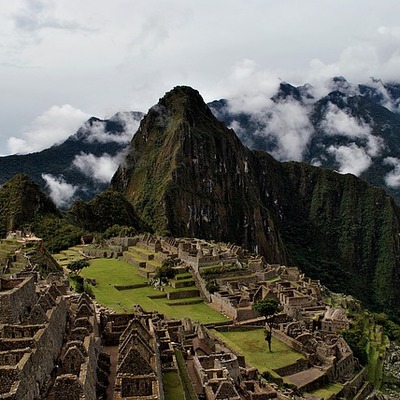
62	61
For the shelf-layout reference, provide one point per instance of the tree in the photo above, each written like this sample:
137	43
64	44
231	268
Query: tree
77	266
166	272
267	308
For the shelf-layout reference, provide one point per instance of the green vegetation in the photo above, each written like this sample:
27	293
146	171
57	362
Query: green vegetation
190	394
172	386
267	308
77	266
165	272
109	273
21	202
357	338
328	390
106	210
57	233
253	346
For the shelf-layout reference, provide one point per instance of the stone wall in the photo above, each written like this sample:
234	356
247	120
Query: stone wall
351	387
88	370
184	294
300	365
223	305
17	301
293	343
35	369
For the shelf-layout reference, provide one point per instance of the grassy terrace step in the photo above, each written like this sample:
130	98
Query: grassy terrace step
184	302
182	283
185	289
110	272
185	275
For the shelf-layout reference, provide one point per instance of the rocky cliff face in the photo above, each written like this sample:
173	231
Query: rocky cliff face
189	175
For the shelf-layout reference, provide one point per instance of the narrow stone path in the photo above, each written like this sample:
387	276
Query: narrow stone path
113	352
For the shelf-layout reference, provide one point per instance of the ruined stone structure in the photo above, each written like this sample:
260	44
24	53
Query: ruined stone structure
139	368
32	327
49	342
305	323
78	365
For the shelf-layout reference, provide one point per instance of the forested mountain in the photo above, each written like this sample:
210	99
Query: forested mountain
188	175
81	166
351	128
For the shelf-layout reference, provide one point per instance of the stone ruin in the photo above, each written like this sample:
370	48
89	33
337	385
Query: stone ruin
248	279
49	343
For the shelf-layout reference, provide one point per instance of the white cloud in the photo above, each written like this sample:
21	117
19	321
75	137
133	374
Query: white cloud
249	87
352	159
288	125
338	123
101	168
375	54
392	179
61	192
34	15
124	55
96	131
52	126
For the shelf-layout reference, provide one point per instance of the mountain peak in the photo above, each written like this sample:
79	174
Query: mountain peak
182	170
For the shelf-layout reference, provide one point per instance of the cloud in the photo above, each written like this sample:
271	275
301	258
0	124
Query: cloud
288	125
101	168
375	54
52	126
35	15
352	159
337	122
61	192
386	99
96	130
392	179
249	87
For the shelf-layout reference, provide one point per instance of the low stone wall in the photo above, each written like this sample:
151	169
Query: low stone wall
223	305
245	313
182	284
183	294
130	259
102	253
351	387
293	343
128	287
300	365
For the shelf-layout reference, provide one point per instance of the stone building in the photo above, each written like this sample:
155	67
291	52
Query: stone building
31	336
139	373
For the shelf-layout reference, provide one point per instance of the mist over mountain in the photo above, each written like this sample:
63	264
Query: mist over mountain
352	128
81	166
187	174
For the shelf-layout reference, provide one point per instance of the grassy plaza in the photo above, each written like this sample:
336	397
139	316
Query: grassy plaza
252	345
109	273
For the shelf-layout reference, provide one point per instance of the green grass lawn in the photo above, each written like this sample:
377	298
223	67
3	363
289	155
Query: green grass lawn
253	346
327	391
172	386
111	272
